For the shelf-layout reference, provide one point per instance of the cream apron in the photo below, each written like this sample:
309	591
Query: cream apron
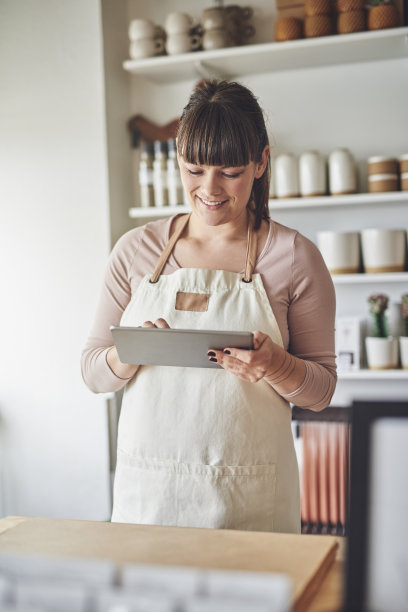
199	447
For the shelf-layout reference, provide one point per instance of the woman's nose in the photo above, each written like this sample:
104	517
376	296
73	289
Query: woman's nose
211	184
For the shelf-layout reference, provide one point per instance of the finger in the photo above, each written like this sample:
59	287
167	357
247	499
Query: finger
161	323
148	324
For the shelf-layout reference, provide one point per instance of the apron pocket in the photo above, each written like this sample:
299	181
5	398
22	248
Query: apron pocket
149	491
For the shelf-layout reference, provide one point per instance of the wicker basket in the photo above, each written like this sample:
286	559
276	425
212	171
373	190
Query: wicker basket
318	25
352	21
288	28
318	7
383	16
345	6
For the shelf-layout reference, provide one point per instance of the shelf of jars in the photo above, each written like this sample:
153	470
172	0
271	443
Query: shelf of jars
365	374
355	199
269	57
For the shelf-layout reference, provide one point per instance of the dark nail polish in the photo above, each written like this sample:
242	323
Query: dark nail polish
213	359
227	352
211	353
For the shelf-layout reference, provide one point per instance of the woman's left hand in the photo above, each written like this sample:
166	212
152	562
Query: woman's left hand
250	365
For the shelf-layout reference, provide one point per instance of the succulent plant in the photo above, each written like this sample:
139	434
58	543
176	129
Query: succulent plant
378	305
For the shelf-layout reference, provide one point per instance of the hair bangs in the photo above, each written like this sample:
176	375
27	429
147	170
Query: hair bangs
215	137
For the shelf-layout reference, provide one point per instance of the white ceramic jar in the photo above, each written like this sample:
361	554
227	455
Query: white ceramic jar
342	172
312	174
384	250
340	251
286	176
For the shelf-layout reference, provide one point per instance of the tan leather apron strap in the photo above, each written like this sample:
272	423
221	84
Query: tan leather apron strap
161	262
252	246
250	258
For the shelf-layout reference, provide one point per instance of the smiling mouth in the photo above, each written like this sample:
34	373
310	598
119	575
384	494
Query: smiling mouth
211	203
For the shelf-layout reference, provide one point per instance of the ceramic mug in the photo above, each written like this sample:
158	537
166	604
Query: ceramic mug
216	38
146	47
178	23
243	13
384	250
340	251
182	43
286	176
140	29
213	18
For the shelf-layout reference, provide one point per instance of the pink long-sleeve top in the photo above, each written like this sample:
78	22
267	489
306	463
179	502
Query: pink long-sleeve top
296	280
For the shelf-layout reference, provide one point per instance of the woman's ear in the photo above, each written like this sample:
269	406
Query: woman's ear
261	165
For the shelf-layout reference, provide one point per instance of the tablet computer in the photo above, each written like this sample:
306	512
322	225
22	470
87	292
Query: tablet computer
175	347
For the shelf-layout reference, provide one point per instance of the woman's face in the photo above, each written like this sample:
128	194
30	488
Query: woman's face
220	194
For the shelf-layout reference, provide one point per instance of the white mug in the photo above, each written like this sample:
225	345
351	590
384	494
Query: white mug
182	43
340	251
213	18
178	23
342	172
144	28
146	47
312	174
384	250
215	39
286	176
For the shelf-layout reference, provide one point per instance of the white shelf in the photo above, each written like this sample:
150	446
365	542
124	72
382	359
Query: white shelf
355	199
274	56
358	279
374	375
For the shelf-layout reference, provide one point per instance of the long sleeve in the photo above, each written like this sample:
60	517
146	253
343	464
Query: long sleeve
302	297
114	297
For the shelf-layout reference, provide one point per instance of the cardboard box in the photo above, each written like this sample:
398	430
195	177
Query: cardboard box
348	340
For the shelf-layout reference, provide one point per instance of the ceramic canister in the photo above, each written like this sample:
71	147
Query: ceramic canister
286	176
312	174
384	250
340	251
342	172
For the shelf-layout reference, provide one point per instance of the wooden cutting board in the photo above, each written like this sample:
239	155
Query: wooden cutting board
306	558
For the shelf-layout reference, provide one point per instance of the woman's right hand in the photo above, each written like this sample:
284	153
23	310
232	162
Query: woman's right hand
128	370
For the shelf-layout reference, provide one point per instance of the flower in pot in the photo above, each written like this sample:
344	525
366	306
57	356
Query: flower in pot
381	349
403	341
382	14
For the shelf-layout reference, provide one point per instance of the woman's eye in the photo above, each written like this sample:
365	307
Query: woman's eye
194	172
235	175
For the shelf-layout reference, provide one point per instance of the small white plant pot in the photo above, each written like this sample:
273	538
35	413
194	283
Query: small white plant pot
403	345
382	353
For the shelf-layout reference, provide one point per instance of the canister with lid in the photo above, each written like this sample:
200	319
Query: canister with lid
342	172
286	176
312	174
382	174
403	168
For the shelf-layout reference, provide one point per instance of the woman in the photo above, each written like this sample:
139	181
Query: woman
213	447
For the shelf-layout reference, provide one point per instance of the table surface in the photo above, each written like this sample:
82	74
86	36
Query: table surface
315	563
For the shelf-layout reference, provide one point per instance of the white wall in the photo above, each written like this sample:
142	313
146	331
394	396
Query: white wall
54	241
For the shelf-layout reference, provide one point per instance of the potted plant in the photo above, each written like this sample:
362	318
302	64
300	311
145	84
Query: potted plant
403	341
381	349
382	14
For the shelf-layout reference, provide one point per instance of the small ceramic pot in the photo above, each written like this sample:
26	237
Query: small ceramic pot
312	174
340	251
342	172
382	353
146	47
403	346
384	250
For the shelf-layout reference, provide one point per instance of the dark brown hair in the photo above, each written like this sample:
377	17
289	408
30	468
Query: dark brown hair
223	125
